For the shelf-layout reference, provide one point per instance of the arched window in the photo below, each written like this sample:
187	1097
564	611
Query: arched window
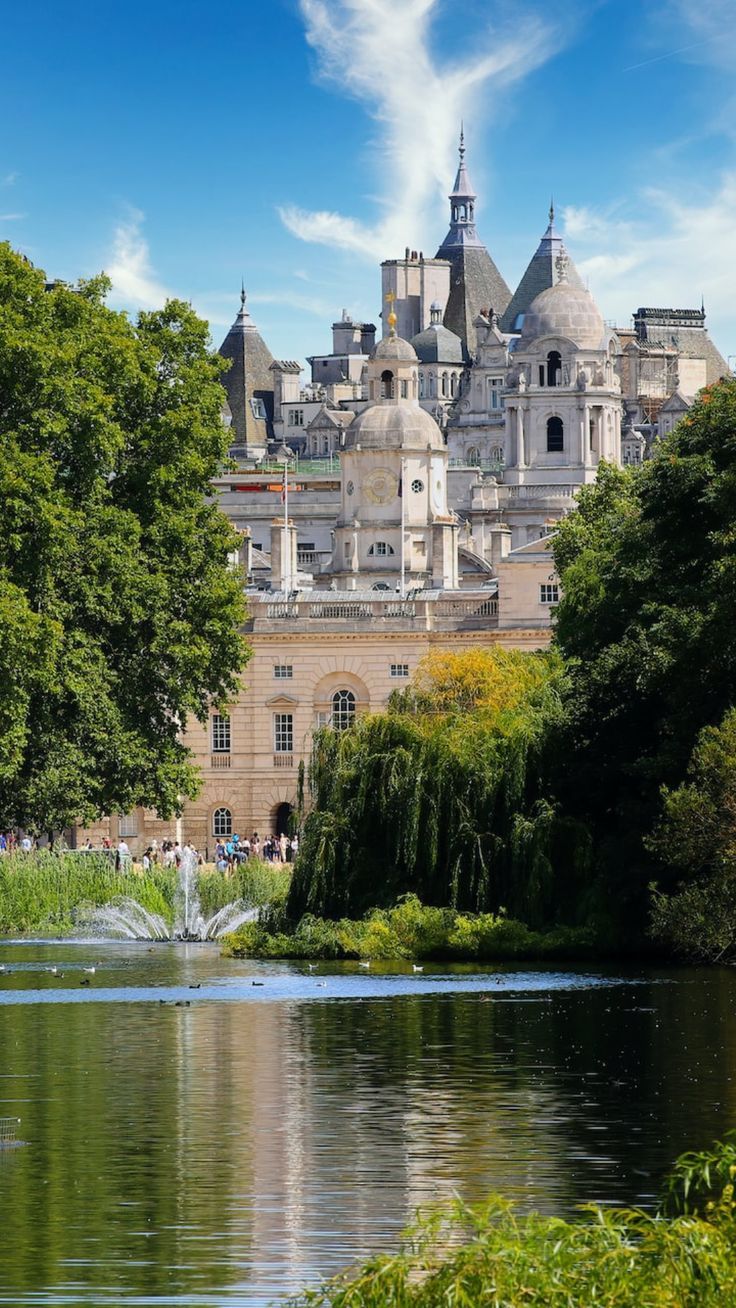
474	456
444	383
222	822
382	548
555	436
387	385
431	386
381	585
554	368
421	385
453	384
497	455
343	710
404	390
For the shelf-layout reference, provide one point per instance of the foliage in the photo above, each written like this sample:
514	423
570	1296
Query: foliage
254	883
409	930
487	1254
443	796
648	570
47	891
119	614
700	1182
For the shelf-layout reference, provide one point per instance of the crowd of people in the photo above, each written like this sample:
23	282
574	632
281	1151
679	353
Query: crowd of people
230	852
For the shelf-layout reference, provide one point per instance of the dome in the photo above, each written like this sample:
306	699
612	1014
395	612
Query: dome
394	426
438	345
393	347
565	310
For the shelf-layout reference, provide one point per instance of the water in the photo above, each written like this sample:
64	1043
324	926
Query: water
128	919
228	1152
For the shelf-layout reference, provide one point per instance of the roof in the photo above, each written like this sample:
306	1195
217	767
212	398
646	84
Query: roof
543	271
475	285
331	417
437	344
248	378
285	365
394	426
568	311
394	348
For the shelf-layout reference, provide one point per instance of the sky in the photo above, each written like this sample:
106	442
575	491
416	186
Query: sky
181	146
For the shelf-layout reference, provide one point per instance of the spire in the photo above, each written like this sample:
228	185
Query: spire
243	321
462	206
552	211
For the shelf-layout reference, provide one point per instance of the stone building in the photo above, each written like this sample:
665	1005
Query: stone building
249	386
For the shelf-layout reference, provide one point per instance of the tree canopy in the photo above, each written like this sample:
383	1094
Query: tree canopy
119	611
646	626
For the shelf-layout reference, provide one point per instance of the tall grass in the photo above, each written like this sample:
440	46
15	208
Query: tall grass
46	891
464	1257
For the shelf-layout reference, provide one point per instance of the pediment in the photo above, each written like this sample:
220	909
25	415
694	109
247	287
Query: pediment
281	699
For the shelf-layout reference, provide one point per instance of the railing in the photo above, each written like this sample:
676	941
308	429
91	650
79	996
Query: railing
421	609
284	610
484	465
283	760
466	608
546	492
349	611
220	760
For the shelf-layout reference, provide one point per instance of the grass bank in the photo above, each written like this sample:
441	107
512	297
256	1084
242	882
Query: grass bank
47	891
682	1257
409	930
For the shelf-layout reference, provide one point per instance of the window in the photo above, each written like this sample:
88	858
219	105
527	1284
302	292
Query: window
554	368
549	592
382	548
258	408
222	822
381	585
421	385
283	733
431	386
474	456
445	383
283	671
496	385
555	436
387	385
497	454
399	669
220	733
128	825
417	486
404	390
325	444
296	417
343	709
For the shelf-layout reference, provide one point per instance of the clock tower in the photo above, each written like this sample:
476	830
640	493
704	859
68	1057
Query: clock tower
394	531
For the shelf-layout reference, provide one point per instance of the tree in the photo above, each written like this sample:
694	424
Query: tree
119	611
648	569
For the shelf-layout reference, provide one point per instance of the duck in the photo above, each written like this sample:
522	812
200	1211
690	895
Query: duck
365	965
91	970
321	983
53	970
416	967
258	983
84	981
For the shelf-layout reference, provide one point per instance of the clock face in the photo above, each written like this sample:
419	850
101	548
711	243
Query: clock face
381	486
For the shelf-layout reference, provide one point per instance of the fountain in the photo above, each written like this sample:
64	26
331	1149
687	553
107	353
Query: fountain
129	919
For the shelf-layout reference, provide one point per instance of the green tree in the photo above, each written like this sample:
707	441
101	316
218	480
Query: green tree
119	613
648	568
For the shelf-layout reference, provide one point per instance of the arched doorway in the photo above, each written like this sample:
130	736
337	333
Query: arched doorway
282	819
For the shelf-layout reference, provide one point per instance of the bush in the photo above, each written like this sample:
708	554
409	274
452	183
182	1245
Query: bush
409	930
617	1258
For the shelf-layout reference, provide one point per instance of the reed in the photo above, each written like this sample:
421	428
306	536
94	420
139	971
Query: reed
46	891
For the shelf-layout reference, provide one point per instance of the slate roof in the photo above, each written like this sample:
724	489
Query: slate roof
436	344
542	272
683	330
475	285
248	378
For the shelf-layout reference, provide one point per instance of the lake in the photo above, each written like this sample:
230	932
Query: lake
225	1144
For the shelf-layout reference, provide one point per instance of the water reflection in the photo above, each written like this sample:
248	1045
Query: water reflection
225	1153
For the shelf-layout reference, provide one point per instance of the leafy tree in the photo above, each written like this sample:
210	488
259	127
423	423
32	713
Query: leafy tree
443	796
648	568
119	614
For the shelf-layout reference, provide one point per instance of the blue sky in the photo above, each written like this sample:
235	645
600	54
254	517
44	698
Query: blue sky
298	142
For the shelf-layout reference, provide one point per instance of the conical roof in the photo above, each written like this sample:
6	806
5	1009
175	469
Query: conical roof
543	272
249	381
475	282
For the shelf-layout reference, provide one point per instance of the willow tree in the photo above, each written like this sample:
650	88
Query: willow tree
119	613
444	795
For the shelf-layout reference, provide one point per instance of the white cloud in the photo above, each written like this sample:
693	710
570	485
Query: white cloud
134	283
667	253
379	53
11	217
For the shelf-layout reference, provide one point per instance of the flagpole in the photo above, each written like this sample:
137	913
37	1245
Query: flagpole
402	591
287	551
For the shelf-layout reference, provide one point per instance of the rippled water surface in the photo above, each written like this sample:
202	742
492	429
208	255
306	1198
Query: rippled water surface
205	1132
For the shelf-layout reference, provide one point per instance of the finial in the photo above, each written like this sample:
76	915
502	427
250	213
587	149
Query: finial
242	293
551	210
461	148
390	298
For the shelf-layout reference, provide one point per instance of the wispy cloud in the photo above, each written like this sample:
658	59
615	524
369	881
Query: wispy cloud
673	248
11	217
379	52
134	283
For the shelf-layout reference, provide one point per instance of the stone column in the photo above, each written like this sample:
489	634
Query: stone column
283	555
521	438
